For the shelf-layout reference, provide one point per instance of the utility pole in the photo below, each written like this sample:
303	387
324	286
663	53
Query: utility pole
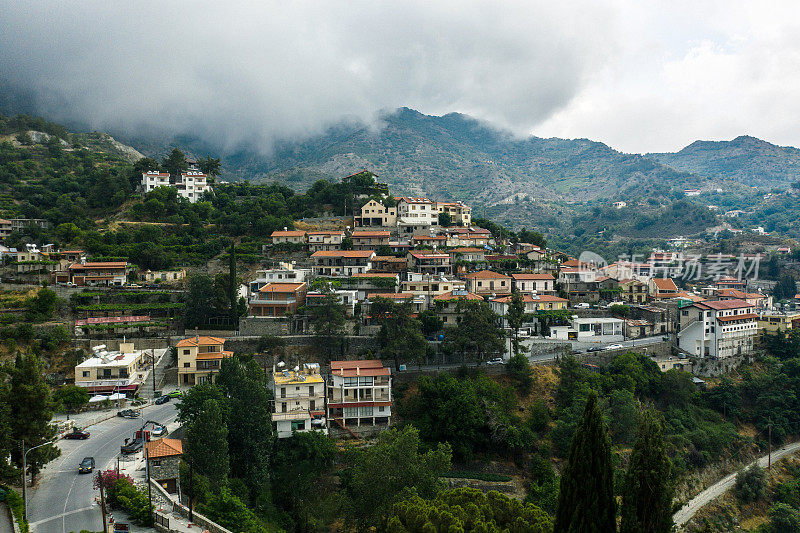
769	453
153	354
25	475
103	502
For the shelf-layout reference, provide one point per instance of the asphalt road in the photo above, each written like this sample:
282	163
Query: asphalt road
63	500
725	484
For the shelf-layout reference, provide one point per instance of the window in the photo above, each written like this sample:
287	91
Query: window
350	381
365	380
283	392
350	412
298	425
366	411
311	390
186	352
381	409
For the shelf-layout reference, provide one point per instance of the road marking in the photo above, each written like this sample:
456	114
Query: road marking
74	511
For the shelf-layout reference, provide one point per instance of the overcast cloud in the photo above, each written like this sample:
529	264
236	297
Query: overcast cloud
640	76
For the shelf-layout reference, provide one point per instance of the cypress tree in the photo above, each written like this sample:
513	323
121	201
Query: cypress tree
207	443
586	501
647	492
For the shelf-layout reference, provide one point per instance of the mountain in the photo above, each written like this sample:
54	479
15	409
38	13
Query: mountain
745	159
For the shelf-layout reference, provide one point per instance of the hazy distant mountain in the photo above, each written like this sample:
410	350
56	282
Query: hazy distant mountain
745	159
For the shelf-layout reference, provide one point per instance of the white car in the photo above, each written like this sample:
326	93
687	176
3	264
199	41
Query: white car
495	361
614	347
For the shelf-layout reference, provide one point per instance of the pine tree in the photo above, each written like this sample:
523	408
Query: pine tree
207	443
586	501
647	493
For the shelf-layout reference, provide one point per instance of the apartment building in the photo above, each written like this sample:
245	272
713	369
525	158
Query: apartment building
374	213
461	237
389	263
718	329
108	371
533	304
446	305
5	228
460	213
324	240
428	241
359	395
153	178
772	322
277	299
429	263
283	273
488	283
369	240
299	400
530	283
288	236
662	288
430	284
341	263
590	329
416	215
633	291
190	185
199	359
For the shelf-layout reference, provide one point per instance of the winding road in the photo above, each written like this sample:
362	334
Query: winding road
63	500
725	484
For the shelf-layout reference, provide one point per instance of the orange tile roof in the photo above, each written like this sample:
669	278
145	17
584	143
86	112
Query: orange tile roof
281	287
362	367
724	304
214	355
375	275
200	341
665	284
486	274
290	233
746	316
528	298
164	448
326	232
462	294
106	264
465	250
366	234
365	254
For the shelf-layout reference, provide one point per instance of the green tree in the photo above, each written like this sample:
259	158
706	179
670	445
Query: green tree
467	510
72	397
516	317
42	306
209	165
233	287
193	401
431	323
445	220
477	333
328	319
586	498
207	443
401	333
786	287
32	409
175	163
648	490
783	519
7	444
751	484
231	513
199	300
620	310
398	461
624	415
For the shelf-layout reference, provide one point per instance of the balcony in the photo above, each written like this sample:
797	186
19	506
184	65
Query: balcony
276	301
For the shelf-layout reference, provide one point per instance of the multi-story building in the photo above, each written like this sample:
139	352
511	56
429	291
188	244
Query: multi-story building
284	273
369	240
429	263
324	240
533	304
299	400
429	241
359	395
416	215
373	283
460	213
374	213
104	273
418	304
19	224
772	322
718	329
389	263
288	236
341	263
430	284
530	283
633	291
446	305
277	299
190	185
163	276
5	228
460	237
590	329
199	359
107	371
662	288
488	283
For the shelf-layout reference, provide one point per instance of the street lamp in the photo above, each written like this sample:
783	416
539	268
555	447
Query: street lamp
25	475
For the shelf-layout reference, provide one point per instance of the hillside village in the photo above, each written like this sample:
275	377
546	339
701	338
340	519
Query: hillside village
345	323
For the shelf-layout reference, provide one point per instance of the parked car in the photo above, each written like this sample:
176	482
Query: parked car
129	413
162	399
614	347
495	361
595	349
133	446
581	305
158	431
77	434
86	466
175	394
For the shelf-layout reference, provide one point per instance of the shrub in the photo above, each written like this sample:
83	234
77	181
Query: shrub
751	484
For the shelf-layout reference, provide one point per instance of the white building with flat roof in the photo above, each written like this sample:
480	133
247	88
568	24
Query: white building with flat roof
590	329
299	400
115	371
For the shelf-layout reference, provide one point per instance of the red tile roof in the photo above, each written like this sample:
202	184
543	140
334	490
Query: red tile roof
364	254
720	305
665	284
746	316
200	341
362	367
281	287
459	294
486	274
367	234
164	448
290	233
106	264
533	276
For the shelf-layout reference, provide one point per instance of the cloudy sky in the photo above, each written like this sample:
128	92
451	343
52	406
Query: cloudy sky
639	75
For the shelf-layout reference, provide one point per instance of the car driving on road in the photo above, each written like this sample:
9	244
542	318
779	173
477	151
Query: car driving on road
495	361
614	347
129	413
86	466
162	399
77	434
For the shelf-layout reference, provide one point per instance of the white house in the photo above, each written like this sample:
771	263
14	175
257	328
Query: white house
718	329
590	329
299	400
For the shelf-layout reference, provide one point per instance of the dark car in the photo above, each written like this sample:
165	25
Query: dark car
162	399
77	434
86	466
133	446
595	349
129	413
